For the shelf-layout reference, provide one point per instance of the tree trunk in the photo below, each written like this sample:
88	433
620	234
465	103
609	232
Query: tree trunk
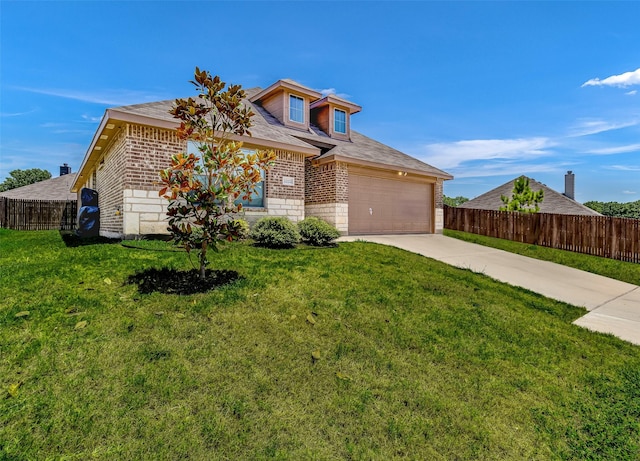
203	260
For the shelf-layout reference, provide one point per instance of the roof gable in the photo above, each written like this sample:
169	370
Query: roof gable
286	84
553	202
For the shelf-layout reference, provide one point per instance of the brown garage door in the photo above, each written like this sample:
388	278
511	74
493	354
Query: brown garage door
383	203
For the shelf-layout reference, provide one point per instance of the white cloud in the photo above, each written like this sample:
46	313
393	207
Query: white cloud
615	150
623	168
328	91
629	192
105	97
631	93
91	119
622	81
506	169
451	155
589	127
18	114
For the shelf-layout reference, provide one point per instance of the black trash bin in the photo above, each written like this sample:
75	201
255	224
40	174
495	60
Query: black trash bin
88	197
88	214
89	221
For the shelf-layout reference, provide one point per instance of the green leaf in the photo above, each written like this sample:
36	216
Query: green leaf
311	319
81	325
22	314
315	355
107	281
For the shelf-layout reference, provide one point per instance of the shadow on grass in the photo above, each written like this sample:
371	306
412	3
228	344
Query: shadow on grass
172	281
297	246
71	239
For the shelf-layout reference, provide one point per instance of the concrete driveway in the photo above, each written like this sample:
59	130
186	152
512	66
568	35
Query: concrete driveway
613	306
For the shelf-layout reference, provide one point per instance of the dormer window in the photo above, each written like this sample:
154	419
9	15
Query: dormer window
339	121
296	108
331	114
288	102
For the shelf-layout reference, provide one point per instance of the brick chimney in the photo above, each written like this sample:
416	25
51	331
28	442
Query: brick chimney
570	185
65	169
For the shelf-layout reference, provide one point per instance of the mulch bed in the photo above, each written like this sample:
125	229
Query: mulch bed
171	281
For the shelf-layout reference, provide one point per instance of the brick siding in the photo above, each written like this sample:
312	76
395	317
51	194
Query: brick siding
438	194
108	183
328	183
127	180
439	206
149	150
288	164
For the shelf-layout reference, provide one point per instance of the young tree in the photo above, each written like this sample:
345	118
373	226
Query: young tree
523	199
203	190
19	178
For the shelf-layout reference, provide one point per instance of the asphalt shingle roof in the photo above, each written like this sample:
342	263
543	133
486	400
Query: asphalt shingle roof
49	189
267	127
553	202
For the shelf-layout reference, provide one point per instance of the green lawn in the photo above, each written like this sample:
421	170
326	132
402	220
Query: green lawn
619	270
418	360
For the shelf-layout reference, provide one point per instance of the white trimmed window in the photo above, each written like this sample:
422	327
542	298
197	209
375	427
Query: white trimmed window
296	108
339	121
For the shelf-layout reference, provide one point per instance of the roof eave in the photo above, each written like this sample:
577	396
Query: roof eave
339	102
92	145
384	166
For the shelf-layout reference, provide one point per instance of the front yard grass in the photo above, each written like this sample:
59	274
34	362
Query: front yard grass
414	359
619	270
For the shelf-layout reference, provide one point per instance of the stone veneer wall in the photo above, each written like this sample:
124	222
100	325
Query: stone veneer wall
336	214
144	213
287	207
327	193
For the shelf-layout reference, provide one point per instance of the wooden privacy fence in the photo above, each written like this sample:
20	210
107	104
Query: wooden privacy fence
616	238
38	214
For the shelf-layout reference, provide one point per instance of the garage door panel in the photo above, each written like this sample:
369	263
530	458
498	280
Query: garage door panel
383	205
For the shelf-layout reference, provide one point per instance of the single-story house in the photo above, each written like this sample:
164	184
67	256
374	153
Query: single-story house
47	204
323	167
49	189
554	202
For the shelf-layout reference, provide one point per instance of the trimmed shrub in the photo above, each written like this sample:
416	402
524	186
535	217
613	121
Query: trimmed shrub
275	233
317	232
242	228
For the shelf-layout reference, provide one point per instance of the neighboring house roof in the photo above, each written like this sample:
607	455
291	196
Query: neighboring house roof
270	132
49	189
553	202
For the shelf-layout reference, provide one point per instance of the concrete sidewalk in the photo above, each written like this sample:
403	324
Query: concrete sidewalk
614	306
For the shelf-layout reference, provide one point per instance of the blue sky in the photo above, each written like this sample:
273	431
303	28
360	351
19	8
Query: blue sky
484	90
